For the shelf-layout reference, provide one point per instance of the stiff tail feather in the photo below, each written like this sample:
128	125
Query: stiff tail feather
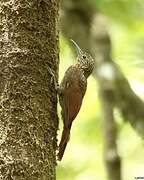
63	143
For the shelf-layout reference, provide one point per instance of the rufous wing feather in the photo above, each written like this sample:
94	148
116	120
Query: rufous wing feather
63	143
72	104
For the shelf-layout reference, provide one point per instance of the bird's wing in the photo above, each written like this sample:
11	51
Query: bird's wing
73	97
73	89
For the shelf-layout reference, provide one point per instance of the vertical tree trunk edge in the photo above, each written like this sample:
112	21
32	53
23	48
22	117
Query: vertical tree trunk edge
28	101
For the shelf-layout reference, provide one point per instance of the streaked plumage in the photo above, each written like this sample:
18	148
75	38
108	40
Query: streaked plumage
71	92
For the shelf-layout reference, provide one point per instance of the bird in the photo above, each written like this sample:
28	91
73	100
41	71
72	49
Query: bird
71	92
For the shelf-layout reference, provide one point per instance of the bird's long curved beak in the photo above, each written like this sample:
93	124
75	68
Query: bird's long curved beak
77	47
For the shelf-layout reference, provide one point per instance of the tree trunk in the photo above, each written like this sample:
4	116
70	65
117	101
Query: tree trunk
28	119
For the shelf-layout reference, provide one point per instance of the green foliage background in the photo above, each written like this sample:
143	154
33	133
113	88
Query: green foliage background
83	158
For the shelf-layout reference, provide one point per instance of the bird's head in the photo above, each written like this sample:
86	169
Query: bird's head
85	61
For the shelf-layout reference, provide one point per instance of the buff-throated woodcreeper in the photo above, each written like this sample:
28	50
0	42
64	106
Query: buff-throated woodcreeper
71	92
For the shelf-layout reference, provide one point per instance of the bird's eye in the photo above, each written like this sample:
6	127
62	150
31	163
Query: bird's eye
84	56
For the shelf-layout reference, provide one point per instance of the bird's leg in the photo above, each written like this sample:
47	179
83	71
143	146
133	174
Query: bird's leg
57	87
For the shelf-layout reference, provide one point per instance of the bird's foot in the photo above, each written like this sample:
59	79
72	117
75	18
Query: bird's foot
53	79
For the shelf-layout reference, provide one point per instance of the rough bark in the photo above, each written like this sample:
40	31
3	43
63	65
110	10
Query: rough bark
28	120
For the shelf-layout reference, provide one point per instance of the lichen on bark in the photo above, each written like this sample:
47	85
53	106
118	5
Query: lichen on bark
28	120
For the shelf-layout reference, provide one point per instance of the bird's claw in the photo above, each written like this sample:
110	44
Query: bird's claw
53	79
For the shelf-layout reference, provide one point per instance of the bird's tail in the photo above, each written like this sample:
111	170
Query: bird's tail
63	143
